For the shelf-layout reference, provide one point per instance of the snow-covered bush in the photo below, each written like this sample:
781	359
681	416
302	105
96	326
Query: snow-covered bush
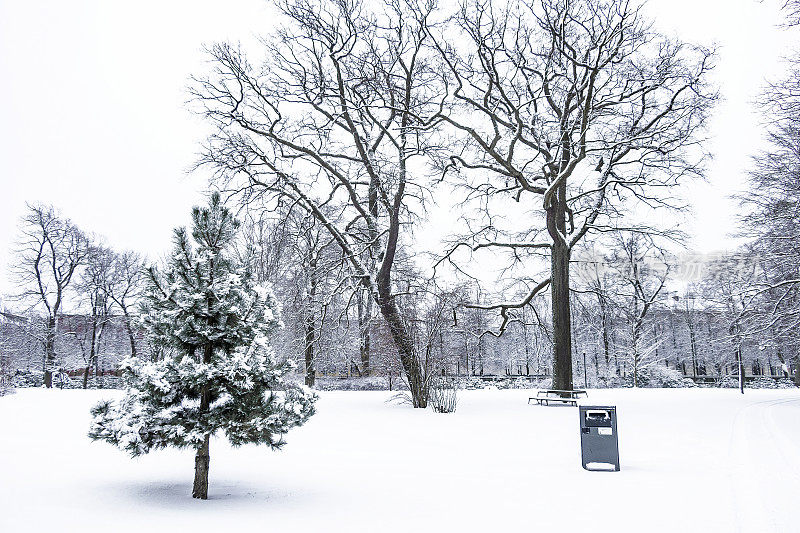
523	383
23	378
761	382
475	382
62	380
612	382
660	376
784	383
354	384
728	382
471	383
219	373
764	382
27	378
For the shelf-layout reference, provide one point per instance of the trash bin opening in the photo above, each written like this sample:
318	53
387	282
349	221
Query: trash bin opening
597	415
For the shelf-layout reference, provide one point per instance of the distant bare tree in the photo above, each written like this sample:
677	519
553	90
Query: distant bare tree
729	291
596	280
124	288
93	287
643	271
295	254
569	113
689	315
314	282
50	251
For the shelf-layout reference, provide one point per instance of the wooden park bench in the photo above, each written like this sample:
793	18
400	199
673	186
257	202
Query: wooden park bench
565	397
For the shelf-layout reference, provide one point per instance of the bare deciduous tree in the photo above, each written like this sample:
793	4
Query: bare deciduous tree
124	288
50	251
643	271
570	113
93	287
330	125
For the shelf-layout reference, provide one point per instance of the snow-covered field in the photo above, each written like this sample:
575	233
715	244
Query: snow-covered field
692	461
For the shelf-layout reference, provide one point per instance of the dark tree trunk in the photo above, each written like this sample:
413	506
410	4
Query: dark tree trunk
390	311
203	458
365	351
310	324
527	346
466	353
405	347
480	355
796	371
92	354
129	329
740	362
693	346
605	335
50	352
559	289
364	316
562	336
637	329
201	462
311	374
733	330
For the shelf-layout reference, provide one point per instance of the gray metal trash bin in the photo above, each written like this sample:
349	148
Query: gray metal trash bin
599	442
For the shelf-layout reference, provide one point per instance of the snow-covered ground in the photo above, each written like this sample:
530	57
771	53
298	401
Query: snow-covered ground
692	461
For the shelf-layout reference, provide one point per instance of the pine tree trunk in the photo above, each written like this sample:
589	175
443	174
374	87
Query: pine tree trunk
203	458
201	462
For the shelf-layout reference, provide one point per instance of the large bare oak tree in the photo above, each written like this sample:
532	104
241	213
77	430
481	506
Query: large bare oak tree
569	113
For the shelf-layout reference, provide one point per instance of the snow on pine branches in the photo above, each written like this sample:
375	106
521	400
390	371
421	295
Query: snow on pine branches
218	373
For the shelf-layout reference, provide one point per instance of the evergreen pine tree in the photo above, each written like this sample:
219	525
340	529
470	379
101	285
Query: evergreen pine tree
218	373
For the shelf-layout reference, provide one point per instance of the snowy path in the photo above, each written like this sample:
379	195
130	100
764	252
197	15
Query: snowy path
692	461
765	474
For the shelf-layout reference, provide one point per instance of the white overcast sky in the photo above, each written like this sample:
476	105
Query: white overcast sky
93	117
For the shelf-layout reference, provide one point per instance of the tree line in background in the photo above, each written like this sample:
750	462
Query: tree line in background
556	133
